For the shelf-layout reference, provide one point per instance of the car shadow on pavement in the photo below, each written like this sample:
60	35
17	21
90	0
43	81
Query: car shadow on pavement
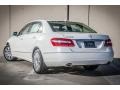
3	60
103	70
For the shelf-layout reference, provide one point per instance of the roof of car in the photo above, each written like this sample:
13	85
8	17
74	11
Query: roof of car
43	20
48	20
51	20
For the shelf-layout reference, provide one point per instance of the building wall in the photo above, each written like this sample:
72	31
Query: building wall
79	13
23	14
104	19
4	26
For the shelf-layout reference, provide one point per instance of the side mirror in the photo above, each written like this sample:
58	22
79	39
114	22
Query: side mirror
15	33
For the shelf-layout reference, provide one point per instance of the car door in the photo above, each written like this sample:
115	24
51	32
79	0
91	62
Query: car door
20	43
30	39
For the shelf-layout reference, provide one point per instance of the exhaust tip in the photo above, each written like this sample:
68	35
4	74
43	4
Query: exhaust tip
69	64
108	63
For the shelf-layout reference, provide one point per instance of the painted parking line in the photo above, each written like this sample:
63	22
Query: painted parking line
111	73
113	80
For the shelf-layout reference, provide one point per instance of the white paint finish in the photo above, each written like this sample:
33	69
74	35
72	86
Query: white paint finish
105	19
22	46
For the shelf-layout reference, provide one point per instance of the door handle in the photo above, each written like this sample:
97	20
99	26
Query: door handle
20	37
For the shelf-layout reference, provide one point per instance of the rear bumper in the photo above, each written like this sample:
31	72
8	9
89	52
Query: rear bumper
62	59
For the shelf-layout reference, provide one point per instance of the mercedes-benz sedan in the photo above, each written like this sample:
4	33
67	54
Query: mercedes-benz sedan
59	43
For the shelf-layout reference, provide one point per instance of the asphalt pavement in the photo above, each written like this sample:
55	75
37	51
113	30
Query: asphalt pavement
21	73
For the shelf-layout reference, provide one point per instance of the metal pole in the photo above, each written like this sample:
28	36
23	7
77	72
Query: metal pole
9	20
88	15
67	12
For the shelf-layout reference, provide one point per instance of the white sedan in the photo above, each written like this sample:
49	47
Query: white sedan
59	43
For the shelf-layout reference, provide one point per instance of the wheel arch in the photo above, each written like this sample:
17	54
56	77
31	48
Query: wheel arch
37	47
8	44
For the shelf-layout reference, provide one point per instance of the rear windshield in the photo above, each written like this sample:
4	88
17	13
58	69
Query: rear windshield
65	26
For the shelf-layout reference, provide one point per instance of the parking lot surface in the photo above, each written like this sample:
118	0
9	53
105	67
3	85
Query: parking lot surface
22	73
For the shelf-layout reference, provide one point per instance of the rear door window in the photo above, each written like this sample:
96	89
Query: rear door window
36	28
25	29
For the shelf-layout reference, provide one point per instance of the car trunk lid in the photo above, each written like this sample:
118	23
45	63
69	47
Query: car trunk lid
87	42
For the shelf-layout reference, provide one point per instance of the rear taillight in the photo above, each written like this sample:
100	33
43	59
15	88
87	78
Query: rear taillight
63	42
108	43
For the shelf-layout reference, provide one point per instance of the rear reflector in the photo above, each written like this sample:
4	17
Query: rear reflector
108	43
63	42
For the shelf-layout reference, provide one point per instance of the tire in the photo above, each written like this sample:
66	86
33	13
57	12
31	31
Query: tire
8	54
91	68
38	63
